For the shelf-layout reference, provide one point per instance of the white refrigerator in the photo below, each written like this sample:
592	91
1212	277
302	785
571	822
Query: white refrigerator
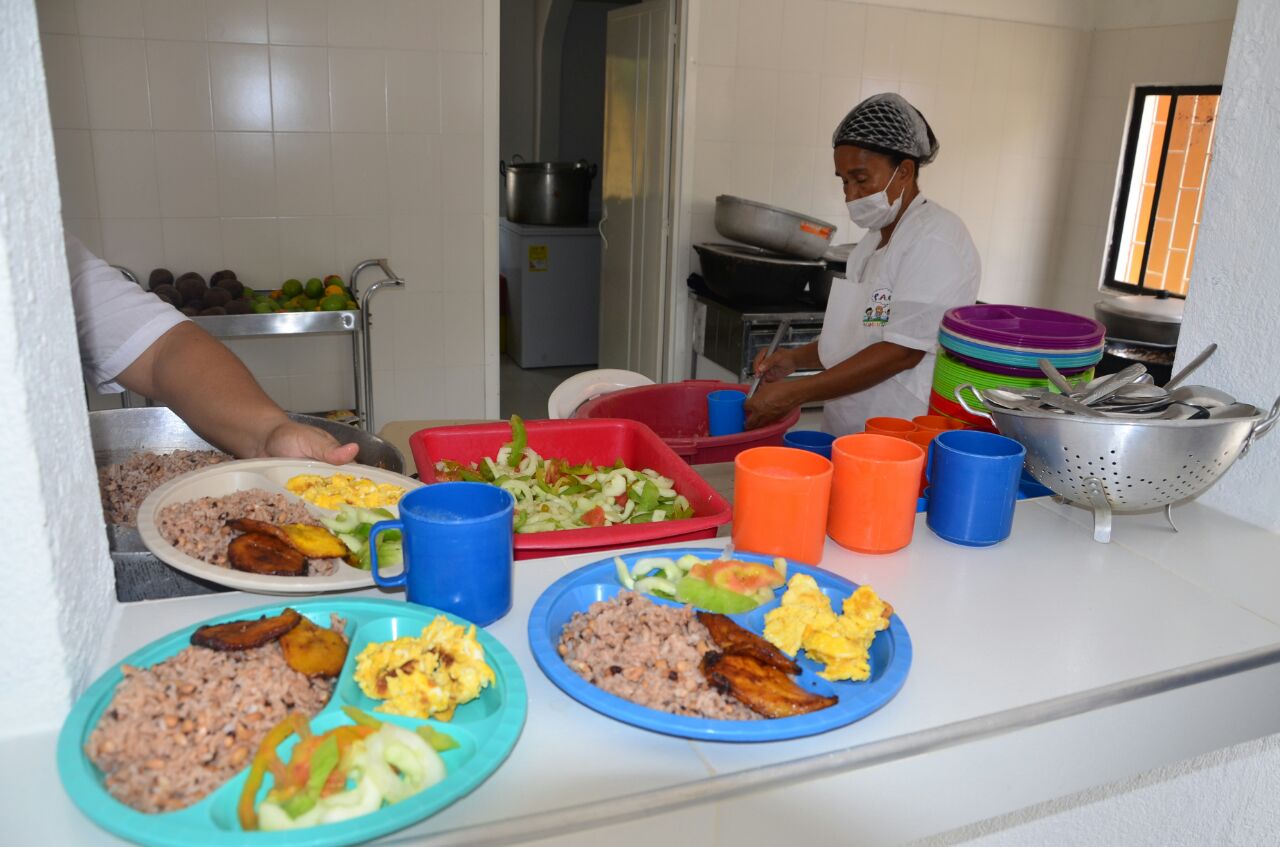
553	293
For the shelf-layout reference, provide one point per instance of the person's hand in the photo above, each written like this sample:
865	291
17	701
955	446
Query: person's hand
771	368
772	400
293	440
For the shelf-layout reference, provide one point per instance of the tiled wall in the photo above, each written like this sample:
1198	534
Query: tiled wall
291	138
1119	59
771	79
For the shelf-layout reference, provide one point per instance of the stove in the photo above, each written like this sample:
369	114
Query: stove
731	336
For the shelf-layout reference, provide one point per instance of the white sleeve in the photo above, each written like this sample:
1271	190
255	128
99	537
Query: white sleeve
115	320
934	276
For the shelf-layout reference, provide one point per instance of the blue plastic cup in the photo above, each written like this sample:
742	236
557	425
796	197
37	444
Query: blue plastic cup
973	485
457	549
724	412
811	440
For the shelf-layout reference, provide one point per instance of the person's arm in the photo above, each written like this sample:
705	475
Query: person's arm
870	366
198	377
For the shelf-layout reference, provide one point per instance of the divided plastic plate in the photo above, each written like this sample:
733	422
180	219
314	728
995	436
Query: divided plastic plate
574	592
486	728
269	475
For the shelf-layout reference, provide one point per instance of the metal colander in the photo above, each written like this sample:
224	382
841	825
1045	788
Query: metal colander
1112	465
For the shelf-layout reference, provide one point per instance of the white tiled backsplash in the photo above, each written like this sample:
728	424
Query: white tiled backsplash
289	138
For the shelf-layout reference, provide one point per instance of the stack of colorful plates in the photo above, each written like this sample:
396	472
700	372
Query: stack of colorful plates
990	346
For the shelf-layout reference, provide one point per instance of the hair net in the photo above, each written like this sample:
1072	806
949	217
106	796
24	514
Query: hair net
889	122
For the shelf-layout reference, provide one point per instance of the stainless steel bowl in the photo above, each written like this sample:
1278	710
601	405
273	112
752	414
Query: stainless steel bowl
1113	464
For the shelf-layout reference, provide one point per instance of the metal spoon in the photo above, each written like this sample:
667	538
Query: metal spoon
783	326
1055	376
1201	395
1191	366
1111	384
1235	410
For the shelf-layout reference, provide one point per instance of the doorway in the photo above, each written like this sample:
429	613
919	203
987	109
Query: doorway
554	77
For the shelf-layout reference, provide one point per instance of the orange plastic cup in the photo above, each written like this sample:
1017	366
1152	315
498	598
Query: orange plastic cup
923	438
897	427
936	423
780	497
873	492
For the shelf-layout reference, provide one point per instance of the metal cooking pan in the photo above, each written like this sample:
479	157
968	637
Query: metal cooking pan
772	228
749	276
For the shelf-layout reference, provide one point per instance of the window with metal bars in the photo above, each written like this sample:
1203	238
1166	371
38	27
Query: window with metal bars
1168	149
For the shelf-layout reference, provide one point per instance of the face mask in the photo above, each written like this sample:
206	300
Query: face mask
875	211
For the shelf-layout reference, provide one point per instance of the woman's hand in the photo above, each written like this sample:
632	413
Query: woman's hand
293	440
772	400
780	365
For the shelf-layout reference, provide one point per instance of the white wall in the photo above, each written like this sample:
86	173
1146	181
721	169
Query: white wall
58	599
1234	297
293	138
1118	60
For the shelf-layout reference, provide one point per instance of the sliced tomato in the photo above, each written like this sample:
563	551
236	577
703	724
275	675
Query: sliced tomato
744	577
621	500
699	571
595	517
553	472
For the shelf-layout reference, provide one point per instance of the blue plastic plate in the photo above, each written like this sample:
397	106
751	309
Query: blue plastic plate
890	657
486	729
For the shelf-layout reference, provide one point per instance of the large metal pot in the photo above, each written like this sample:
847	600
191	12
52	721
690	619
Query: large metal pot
1141	318
749	276
772	228
548	193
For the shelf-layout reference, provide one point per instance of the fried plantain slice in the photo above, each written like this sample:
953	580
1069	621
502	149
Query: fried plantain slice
732	638
257	552
251	525
314	650
245	635
314	542
761	688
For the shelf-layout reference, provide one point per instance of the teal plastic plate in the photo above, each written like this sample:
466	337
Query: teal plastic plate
486	728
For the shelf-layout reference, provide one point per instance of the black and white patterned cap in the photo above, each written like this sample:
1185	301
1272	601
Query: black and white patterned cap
889	122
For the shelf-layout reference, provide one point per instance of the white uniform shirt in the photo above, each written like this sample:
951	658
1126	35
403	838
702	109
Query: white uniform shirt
897	293
115	319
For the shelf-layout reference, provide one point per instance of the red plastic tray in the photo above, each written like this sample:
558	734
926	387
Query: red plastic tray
599	441
677	412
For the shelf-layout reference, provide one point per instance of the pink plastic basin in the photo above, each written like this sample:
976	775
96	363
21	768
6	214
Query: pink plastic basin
677	412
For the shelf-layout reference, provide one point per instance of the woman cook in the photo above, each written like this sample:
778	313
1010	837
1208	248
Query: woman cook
875	354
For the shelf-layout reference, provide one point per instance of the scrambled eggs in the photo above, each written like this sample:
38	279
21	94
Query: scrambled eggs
427	676
804	620
330	492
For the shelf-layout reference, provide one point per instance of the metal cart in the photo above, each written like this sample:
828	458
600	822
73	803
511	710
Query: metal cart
356	322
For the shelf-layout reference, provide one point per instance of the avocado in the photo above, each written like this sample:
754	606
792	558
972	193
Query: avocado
160	276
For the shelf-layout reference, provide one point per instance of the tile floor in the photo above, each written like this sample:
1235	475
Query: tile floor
525	392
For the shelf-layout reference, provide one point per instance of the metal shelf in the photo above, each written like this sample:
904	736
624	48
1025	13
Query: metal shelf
357	323
278	323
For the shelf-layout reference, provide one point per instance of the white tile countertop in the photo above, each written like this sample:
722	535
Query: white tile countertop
1040	668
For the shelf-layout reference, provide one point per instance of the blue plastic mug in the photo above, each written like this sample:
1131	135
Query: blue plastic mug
973	485
724	412
457	549
811	440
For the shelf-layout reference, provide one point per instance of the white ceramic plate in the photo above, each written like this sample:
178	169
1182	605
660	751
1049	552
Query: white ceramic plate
269	475
580	388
